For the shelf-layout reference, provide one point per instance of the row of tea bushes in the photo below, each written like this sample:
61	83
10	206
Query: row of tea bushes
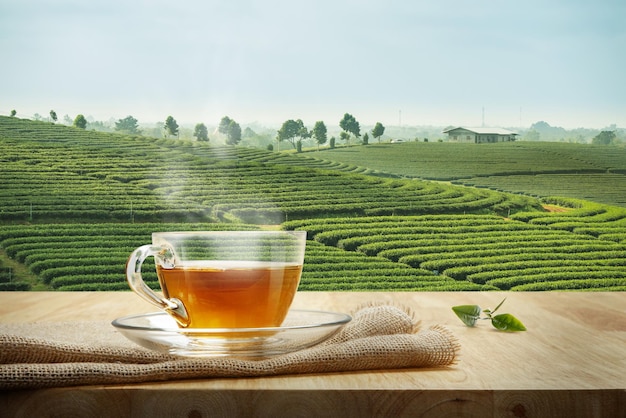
606	188
40	195
7	280
482	250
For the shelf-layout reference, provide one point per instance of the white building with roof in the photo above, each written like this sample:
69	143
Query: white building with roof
479	135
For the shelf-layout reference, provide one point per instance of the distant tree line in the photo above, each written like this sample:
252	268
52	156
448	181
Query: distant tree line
291	131
542	131
605	138
296	133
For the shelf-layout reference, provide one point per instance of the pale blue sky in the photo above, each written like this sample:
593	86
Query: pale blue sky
414	62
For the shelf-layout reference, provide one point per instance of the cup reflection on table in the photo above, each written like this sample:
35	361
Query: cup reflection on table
222	279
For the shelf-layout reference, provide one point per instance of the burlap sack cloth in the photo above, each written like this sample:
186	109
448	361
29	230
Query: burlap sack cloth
38	355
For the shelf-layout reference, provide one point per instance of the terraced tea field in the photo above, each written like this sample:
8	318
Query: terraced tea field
111	178
489	251
73	204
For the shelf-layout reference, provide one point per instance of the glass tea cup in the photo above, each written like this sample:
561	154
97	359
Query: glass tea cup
222	279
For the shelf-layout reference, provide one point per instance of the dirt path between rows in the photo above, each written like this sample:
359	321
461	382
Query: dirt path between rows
556	209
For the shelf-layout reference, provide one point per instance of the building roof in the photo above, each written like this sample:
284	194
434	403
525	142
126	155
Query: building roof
482	131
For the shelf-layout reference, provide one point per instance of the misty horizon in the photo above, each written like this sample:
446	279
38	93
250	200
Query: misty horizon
110	122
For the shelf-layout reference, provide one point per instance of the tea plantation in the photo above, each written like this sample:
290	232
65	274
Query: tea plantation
75	203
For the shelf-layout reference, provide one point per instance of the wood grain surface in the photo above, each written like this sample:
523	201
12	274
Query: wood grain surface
570	362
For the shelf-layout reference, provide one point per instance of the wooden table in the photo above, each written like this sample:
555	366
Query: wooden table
570	362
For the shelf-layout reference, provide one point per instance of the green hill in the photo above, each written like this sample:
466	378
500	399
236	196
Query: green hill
74	203
591	172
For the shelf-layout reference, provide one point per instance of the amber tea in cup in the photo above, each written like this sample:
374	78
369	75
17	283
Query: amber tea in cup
222	279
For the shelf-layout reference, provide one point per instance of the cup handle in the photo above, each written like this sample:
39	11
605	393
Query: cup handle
172	306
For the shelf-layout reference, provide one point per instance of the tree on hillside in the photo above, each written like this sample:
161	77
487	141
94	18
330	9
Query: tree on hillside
532	135
366	139
378	131
547	132
224	124
350	125
248	133
201	132
320	133
604	138
233	136
80	122
53	116
128	125
13	113
303	133
231	129
171	126
291	130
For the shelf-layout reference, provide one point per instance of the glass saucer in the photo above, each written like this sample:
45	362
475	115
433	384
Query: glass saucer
301	329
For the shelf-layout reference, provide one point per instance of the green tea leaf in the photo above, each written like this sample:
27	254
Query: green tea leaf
507	322
469	314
